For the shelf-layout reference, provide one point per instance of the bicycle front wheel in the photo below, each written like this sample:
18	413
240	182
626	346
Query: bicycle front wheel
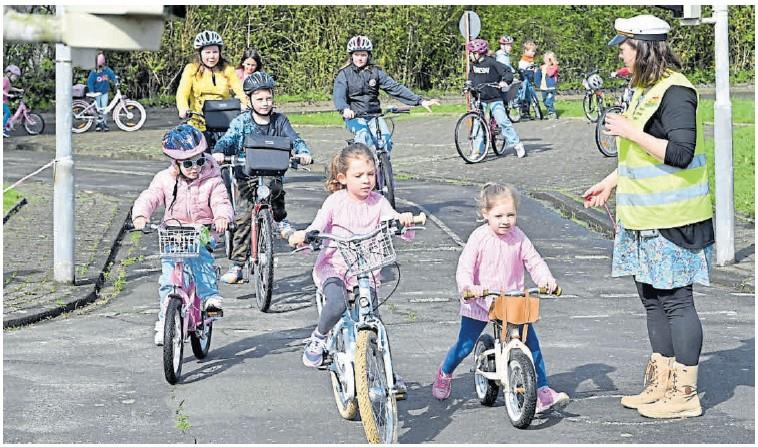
34	124
264	267
606	144
590	106
535	104
173	340
376	402
513	110
129	115
471	137
388	179
521	397
82	117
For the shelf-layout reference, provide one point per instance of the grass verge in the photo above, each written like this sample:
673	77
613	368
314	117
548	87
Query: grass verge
743	160
9	199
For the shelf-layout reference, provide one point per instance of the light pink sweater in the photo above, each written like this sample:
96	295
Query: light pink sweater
344	216
497	263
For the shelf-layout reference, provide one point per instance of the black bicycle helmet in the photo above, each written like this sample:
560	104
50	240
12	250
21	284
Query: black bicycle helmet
258	81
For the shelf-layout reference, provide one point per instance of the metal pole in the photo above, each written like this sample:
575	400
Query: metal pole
722	130
63	177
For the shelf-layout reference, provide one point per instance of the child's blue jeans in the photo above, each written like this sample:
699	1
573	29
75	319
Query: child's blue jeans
496	110
470	331
203	269
6	114
367	134
101	102
548	98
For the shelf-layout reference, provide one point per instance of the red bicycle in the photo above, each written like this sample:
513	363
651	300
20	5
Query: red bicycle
32	122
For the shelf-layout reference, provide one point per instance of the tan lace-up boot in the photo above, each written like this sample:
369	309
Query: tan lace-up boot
657	381
681	399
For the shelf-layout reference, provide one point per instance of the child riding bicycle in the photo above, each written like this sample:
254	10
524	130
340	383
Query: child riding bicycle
193	193
12	73
483	70
356	92
260	120
494	259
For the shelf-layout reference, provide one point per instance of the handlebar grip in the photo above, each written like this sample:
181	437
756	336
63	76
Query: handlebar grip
310	236
419	219
557	292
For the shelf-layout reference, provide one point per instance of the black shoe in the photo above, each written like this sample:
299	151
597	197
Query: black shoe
106	128
98	127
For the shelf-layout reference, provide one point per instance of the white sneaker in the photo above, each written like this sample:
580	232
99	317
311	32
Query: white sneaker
233	275
213	301
159	333
520	151
313	354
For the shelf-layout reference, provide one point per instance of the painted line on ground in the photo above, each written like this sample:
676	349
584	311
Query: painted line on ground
436	220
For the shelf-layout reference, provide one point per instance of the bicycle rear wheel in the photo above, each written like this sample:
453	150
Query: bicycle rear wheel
342	381
388	179
513	110
264	267
129	116
535	104
173	340
521	397
34	124
486	390
606	144
590	106
201	343
471	137
376	402
82	118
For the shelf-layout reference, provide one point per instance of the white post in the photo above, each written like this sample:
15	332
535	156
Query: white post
63	181
722	129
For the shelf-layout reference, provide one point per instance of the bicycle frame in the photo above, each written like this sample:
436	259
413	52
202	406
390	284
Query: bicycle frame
117	99
191	305
20	115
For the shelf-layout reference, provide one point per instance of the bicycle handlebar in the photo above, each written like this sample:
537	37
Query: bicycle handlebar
313	237
391	110
468	295
151	227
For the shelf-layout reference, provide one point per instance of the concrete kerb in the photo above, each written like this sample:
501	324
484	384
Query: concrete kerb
115	234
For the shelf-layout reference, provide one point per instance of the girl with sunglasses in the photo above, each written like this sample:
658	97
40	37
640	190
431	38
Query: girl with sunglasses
192	192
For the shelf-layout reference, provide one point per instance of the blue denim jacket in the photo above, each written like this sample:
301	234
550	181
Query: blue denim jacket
233	140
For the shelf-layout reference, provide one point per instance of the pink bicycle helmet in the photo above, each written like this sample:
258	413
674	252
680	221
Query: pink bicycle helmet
183	142
506	40
100	59
359	43
13	69
478	46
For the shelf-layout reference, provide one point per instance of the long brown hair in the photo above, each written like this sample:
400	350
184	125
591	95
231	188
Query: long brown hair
341	162
653	59
220	66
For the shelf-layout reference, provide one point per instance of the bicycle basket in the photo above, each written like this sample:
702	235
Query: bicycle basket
515	309
369	254
179	242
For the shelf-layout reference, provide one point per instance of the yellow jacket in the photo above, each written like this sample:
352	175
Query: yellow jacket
195	88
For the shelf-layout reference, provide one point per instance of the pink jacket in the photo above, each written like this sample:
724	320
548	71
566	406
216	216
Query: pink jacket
496	263
343	216
200	201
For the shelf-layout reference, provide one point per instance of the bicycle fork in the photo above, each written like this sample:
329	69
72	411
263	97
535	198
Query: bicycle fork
369	321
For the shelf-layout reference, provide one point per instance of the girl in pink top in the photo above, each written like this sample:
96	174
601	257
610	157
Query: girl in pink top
250	62
352	208
494	259
192	192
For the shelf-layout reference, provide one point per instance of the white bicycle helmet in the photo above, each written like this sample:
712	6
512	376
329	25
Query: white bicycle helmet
13	69
207	38
595	81
359	43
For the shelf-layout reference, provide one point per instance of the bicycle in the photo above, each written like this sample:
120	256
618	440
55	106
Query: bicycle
474	132
528	102
357	351
128	114
385	180
606	144
505	360
260	161
593	102
184	314
32	122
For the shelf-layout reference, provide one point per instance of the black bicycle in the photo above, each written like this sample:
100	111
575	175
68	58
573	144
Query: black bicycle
593	102
606	144
385	180
524	105
475	130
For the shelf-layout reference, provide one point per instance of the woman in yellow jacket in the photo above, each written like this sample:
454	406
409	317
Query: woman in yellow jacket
209	77
665	228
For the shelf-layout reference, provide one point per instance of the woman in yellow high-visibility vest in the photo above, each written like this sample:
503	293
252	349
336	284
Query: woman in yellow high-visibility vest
665	228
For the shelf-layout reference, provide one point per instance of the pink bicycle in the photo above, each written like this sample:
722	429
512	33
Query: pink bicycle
33	122
185	317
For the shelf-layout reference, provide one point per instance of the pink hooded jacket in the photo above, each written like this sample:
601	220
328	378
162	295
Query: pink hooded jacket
200	201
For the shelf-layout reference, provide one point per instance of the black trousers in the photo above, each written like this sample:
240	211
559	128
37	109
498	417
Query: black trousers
673	325
243	216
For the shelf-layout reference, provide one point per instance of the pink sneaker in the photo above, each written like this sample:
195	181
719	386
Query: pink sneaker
547	398
443	385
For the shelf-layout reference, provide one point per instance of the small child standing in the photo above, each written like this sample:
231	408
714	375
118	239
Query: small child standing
503	55
99	81
526	71
546	79
192	191
494	259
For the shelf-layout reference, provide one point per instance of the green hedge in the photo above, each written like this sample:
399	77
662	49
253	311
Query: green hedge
303	46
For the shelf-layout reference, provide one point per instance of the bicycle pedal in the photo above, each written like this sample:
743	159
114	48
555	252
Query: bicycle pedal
215	313
400	395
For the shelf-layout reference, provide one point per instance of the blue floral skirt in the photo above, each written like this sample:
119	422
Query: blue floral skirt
655	260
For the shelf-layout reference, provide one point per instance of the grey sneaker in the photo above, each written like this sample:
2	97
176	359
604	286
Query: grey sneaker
233	275
313	355
520	151
285	229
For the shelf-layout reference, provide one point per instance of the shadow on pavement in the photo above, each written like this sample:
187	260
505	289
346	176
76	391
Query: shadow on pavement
718	378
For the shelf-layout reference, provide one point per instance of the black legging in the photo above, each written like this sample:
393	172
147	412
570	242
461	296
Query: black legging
334	303
673	325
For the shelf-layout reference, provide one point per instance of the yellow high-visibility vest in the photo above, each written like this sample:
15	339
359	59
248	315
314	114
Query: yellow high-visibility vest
651	194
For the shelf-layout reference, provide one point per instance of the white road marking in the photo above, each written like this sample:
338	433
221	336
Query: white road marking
589	316
436	220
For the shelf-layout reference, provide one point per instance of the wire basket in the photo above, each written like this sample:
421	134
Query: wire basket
370	254
179	242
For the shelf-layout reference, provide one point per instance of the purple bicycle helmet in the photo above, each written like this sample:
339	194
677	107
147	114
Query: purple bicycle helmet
478	46
506	39
183	142
13	69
